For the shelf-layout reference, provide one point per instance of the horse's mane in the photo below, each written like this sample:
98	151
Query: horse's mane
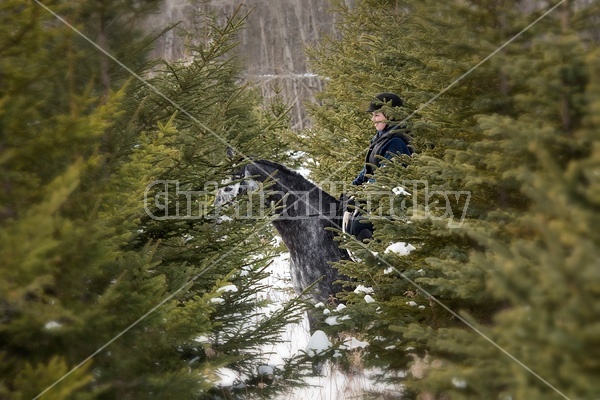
278	166
283	168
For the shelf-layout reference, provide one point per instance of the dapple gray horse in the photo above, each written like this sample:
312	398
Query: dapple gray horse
302	213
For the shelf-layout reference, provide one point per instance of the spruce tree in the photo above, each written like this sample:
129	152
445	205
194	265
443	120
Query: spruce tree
198	247
414	50
461	151
52	254
99	300
524	231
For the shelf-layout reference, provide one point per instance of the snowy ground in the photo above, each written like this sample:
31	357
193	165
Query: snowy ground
332	385
296	339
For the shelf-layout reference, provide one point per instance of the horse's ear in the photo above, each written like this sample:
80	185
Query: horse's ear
230	152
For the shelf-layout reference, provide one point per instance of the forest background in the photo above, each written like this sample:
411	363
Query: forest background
98	300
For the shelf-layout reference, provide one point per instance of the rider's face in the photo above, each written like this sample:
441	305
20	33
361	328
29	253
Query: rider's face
379	120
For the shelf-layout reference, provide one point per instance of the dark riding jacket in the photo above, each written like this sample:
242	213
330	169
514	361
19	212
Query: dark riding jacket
393	140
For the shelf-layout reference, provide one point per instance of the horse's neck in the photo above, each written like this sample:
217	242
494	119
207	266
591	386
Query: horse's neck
304	199
284	180
302	223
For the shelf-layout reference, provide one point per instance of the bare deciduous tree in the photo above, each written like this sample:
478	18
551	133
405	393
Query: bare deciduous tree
272	45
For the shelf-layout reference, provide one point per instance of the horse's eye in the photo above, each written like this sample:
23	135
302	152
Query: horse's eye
228	189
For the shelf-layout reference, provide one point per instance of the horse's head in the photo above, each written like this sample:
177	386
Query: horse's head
280	191
239	183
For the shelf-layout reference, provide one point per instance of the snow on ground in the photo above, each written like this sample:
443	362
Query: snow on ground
332	384
329	386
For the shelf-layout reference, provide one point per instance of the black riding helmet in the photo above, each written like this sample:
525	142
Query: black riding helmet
385	99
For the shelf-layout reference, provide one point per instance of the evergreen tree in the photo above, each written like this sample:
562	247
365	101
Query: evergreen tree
53	253
413	49
98	299
470	166
218	253
523	233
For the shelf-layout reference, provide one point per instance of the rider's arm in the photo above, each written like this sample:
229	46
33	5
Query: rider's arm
395	147
360	179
